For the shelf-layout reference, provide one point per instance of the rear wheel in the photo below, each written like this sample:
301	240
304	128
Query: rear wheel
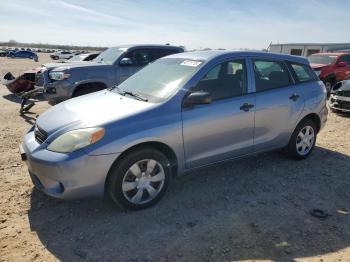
303	139
139	179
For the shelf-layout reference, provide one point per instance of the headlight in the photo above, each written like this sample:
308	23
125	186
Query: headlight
58	75
76	139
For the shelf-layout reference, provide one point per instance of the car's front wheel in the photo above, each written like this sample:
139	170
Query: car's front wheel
139	179
303	140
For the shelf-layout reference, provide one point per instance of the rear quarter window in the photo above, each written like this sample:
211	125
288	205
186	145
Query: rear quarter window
270	74
303	73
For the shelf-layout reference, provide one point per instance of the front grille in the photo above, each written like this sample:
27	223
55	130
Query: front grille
343	93
346	93
39	134
345	105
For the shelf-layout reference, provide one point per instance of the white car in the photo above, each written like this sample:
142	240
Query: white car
61	55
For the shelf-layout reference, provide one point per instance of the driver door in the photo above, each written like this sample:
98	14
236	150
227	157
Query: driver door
224	128
139	58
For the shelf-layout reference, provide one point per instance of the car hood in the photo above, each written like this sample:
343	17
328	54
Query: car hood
92	110
318	66
73	64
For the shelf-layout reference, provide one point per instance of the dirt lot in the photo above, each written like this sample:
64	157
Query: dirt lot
252	209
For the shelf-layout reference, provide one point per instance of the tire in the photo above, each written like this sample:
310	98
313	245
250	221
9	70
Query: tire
130	189
296	152
86	89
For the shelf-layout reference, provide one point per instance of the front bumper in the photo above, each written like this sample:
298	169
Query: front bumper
65	176
58	91
54	91
341	103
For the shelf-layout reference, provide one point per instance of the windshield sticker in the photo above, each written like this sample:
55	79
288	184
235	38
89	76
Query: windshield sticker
123	49
191	63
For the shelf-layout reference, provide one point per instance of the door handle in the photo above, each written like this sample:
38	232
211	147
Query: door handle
294	97
246	107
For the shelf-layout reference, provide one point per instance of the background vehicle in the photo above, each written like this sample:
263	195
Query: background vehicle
24	54
110	68
3	53
182	112
62	55
340	97
331	67
83	57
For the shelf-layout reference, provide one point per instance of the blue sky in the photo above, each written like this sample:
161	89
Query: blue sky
229	24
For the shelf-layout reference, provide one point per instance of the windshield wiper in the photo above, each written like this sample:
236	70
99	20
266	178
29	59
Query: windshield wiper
136	95
123	92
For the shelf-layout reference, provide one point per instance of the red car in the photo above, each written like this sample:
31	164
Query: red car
331	67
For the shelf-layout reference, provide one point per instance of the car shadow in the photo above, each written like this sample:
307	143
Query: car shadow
16	99
254	208
29	117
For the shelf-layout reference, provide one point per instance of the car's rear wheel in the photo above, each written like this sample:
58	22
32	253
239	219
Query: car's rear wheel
303	139
139	179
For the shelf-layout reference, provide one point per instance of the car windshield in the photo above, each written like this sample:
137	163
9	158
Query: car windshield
161	79
322	59
110	55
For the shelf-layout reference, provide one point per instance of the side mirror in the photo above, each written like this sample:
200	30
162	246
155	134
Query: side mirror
342	64
198	98
125	61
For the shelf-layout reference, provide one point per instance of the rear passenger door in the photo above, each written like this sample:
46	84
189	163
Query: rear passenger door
279	103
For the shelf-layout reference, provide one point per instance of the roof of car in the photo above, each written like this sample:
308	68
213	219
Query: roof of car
208	55
148	46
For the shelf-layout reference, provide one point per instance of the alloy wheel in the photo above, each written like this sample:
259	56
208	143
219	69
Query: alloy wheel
305	140
143	181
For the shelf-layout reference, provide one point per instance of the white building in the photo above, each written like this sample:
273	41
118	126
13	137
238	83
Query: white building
306	49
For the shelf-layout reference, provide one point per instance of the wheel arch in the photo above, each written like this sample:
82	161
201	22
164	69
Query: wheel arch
99	84
314	118
162	147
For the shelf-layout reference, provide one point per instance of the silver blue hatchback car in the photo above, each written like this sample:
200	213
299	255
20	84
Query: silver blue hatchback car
182	112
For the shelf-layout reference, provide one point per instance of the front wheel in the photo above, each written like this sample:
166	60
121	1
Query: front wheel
139	179
303	139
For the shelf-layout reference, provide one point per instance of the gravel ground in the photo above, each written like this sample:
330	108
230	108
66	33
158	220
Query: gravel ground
253	209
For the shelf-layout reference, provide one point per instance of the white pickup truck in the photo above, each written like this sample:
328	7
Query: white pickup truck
61	55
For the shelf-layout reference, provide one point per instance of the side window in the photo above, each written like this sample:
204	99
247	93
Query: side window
225	80
213	74
270	75
297	52
140	57
303	73
345	59
159	53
